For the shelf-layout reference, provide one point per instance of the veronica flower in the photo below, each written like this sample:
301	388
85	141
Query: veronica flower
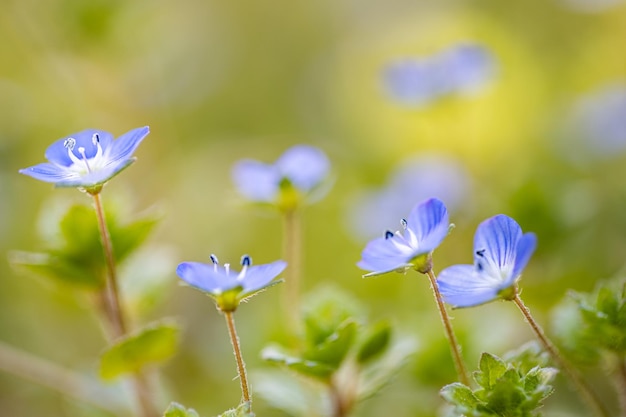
226	287
501	252
87	159
298	172
424	229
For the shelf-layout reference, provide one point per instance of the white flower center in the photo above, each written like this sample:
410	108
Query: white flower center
81	164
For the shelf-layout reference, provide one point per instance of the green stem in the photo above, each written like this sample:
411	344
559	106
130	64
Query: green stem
292	250
454	345
114	312
55	377
588	395
241	366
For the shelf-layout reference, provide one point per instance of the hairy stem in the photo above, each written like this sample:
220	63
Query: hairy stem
241	366
292	250
115	313
588	395
454	345
55	377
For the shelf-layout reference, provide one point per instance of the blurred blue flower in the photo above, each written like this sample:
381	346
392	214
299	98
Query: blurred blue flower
462	69
296	174
501	252
598	122
226	288
415	179
425	228
87	159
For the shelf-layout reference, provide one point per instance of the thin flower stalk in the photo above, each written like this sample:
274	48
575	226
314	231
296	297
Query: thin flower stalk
621	384
241	366
114	311
292	250
459	365
593	402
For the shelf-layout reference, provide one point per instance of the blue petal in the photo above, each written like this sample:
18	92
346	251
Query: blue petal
463	286
525	248
95	178
255	180
305	166
429	221
381	255
412	81
259	276
48	172
203	277
123	147
495	245
57	152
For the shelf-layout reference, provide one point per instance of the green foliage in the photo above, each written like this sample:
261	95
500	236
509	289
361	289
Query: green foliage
604	317
177	410
152	344
512	388
375	342
76	257
349	356
243	410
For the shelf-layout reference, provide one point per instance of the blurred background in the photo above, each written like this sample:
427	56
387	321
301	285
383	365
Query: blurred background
494	107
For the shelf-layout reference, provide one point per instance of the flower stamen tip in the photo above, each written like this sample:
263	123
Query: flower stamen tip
69	143
388	234
246	260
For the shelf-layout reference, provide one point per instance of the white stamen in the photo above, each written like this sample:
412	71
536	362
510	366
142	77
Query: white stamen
227	269
81	151
69	143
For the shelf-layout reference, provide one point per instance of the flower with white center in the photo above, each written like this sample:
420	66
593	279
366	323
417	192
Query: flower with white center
425	228
501	252
87	159
226	287
295	175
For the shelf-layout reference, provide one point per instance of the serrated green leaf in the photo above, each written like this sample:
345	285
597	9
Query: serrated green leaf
305	367
244	410
153	344
459	395
177	410
375	342
491	369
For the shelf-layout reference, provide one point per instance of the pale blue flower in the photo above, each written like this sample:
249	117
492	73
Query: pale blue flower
301	168
228	287
460	69
501	252
424	229
87	159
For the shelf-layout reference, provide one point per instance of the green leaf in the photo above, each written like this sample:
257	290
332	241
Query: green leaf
334	348
491	369
127	238
154	343
287	393
177	410
375	343
305	367
242	411
459	395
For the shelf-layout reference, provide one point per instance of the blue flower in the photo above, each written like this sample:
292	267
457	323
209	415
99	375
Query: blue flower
461	69
298	172
227	288
501	252
425	228
87	159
